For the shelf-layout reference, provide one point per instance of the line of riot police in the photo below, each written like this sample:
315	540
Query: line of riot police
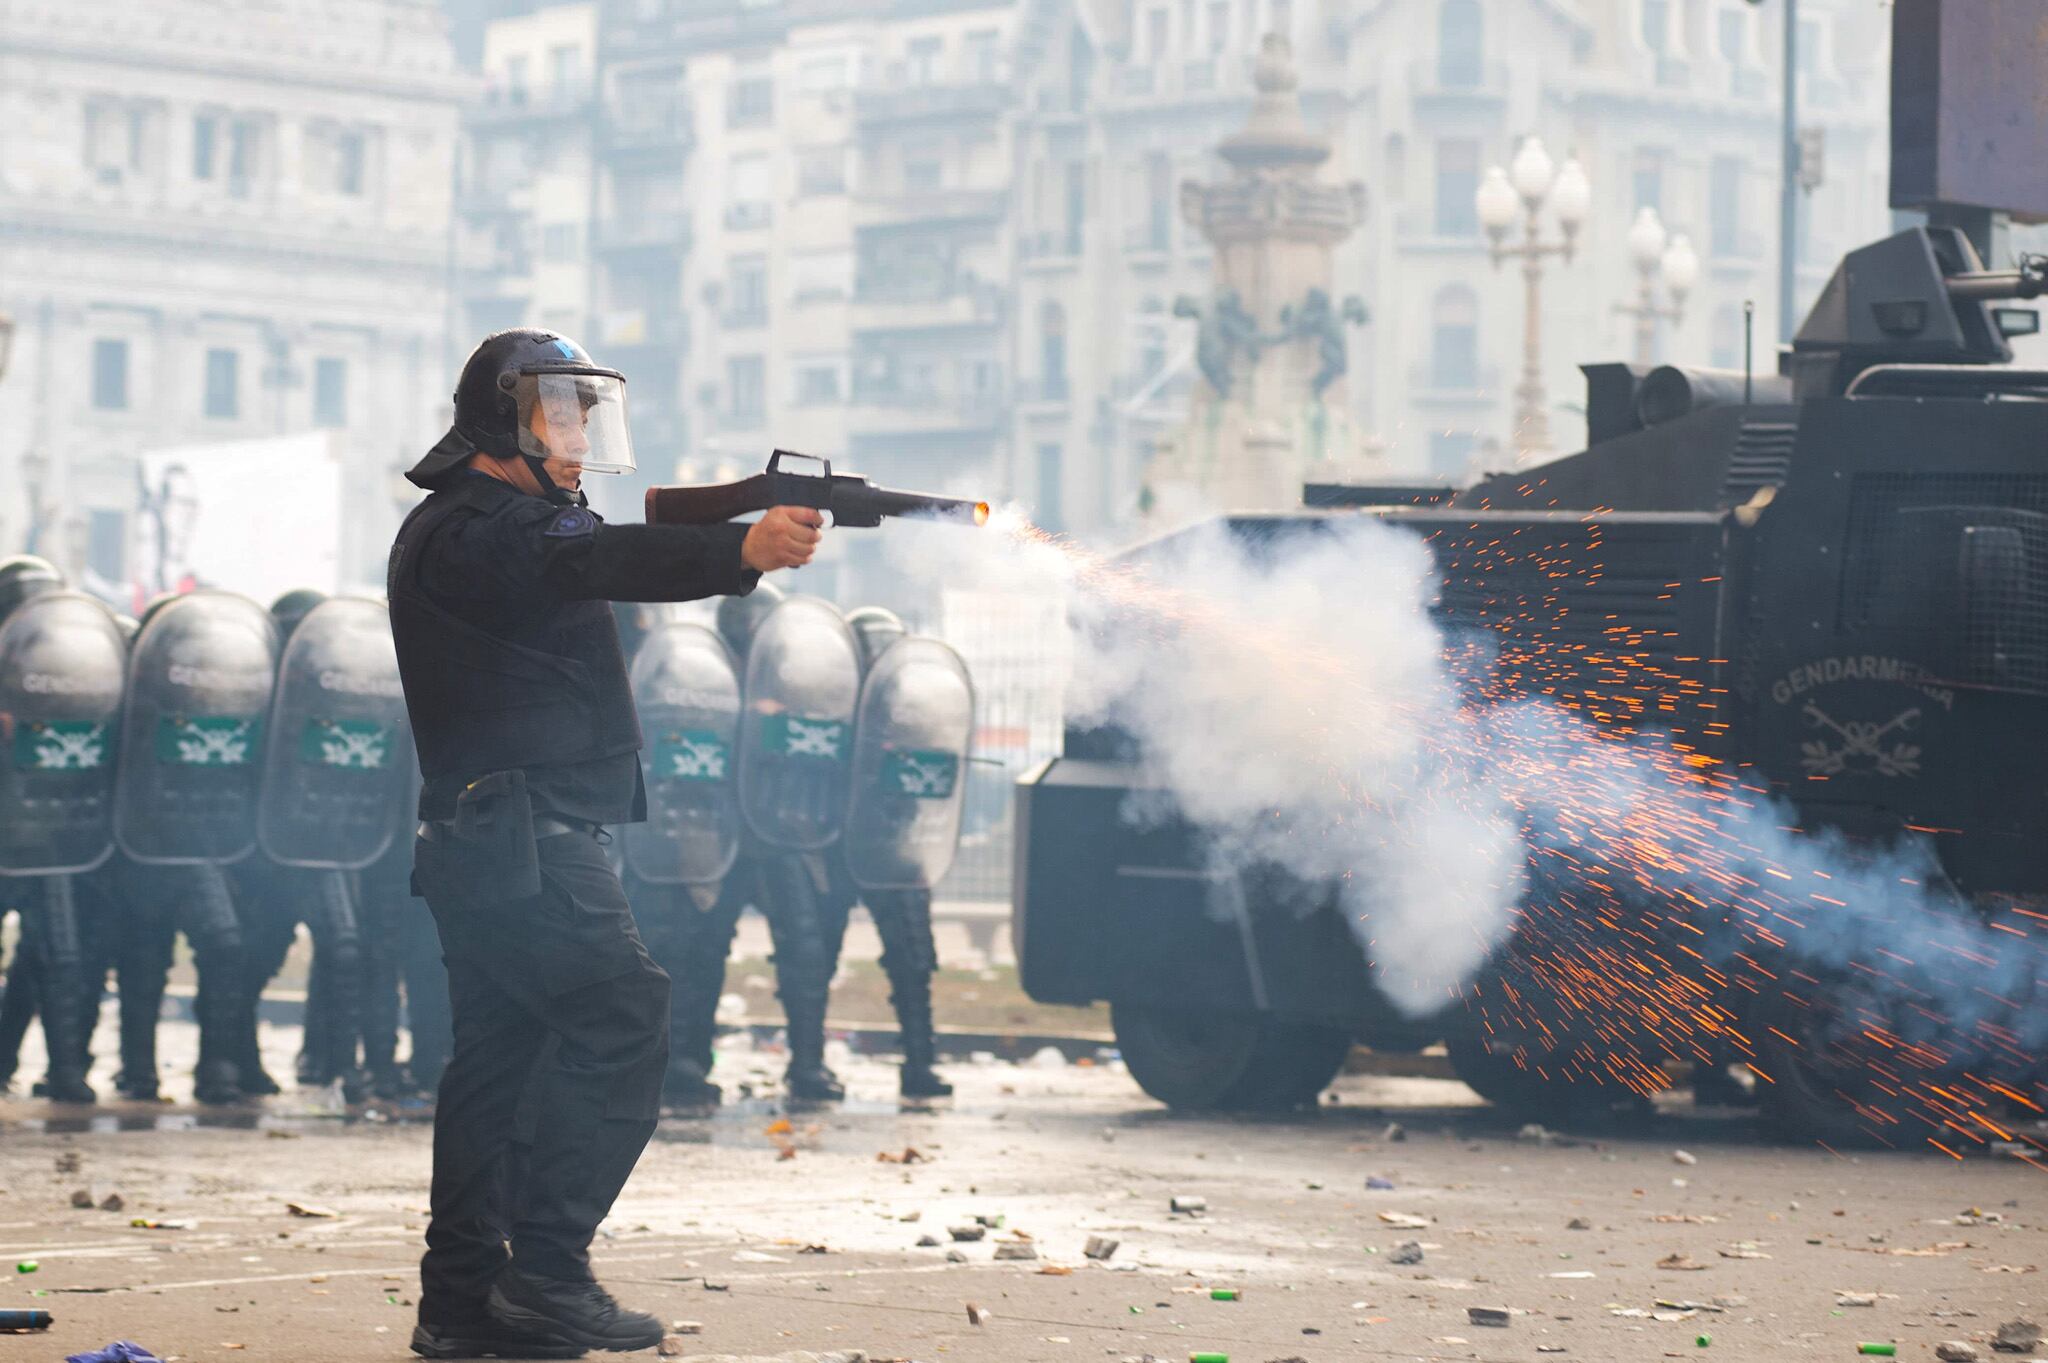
230	773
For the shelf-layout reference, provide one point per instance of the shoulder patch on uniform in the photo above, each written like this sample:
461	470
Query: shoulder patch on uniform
570	522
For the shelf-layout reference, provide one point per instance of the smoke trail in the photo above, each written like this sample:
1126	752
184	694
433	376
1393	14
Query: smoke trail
1296	700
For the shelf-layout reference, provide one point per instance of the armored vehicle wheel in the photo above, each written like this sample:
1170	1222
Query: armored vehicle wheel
1237	1062
1492	1073
1816	1077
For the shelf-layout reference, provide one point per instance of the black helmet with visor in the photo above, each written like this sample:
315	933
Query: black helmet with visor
534	395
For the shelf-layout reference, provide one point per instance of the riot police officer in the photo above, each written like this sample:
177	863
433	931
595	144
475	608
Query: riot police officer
61	657
200	678
523	719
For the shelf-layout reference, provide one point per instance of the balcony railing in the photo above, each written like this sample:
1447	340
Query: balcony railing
510	104
929	407
930	205
654	233
636	328
633	128
749	215
980	100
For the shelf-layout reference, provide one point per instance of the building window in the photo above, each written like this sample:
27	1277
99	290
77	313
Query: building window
1219	26
330	392
1731	30
348	163
746	390
110	375
817	276
1459	33
515	79
1727	337
1077	205
751	102
821	170
822	75
1647	179
1050	489
1450	454
922	168
242	134
1725	206
1158	201
1657	25
564	71
749	187
817	383
921	60
560	242
1457	181
984	57
1052	330
106	544
1454	339
205	138
1155	34
746	291
223	384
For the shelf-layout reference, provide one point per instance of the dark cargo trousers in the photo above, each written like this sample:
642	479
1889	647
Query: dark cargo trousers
554	1087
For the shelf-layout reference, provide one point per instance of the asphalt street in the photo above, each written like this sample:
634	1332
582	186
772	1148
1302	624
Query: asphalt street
837	1230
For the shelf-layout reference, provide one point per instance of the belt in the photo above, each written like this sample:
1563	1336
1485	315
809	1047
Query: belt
544	826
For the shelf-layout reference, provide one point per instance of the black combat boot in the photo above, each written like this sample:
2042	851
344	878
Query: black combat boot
687	1086
809	1080
577	1310
483	1337
913	999
217	1080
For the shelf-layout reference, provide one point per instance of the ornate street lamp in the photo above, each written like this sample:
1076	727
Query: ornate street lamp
1530	182
1658	255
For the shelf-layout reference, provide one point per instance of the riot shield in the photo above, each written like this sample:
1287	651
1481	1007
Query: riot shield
796	738
688	694
332	773
62	666
915	724
190	762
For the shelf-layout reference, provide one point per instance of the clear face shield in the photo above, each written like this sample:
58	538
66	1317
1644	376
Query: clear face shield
575	416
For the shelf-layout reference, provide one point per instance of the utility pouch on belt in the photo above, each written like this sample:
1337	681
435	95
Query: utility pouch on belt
494	821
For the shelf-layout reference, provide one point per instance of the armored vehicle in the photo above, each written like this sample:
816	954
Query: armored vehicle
1827	586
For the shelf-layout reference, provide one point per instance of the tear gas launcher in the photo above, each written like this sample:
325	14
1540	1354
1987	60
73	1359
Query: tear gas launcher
852	499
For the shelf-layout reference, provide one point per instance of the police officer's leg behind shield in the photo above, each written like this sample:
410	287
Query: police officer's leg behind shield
560	973
800	922
698	943
903	920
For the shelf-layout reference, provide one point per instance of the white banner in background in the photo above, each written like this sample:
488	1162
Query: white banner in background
258	517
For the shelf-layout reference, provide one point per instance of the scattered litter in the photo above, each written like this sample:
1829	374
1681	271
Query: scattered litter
1577	1273
309	1210
1010	1249
82	1197
1055	1271
1679	1263
1855	1298
1940	1251
27	1266
1683	1219
1048	1058
1223	1294
148	1223
1702	1341
1878	1350
2017	1337
15	1322
928	1242
2007	1268
1100	1247
1744	1249
120	1351
68	1163
1406	1253
1394	1131
911	1155
1405	1220
954	1256
1182	1204
1956	1351
686	1327
1578	1223
671	1346
755	1256
1685	1157
1495	1316
112	1202
976	1315
1376	1184
1690	1307
966	1233
1207	1356
1551	1349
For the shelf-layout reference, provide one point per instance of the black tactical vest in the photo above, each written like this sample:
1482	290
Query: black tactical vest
552	692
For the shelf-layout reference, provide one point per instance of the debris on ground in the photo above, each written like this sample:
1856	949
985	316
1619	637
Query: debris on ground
1376	1184
1956	1351
120	1351
1013	1249
1495	1316
1679	1263
2017	1337
1578	1223
307	1209
1100	1247
1406	1253
686	1327
1743	1249
976	1315
911	1155
150	1223
928	1241
966	1233
671	1346
69	1163
1405	1220
1685	1157
112	1202
1182	1204
1394	1131
27	1266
